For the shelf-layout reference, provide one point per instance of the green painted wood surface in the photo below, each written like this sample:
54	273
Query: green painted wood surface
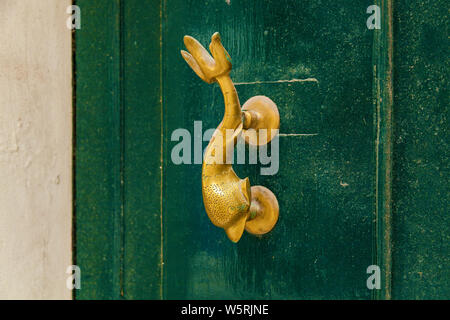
118	143
141	228
322	243
383	105
421	255
98	151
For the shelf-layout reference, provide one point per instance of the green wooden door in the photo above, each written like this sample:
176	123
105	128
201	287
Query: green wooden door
141	228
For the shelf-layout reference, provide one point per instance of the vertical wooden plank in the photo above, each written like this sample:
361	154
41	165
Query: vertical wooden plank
383	100
35	149
99	233
119	150
322	244
421	221
142	148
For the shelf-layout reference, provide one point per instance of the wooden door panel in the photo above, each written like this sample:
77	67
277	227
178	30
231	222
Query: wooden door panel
322	243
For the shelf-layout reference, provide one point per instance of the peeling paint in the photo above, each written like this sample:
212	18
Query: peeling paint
278	81
297	134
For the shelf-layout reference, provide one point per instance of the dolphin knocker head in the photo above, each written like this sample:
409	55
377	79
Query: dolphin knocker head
207	67
227	204
240	213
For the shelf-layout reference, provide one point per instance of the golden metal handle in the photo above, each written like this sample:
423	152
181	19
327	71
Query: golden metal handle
229	201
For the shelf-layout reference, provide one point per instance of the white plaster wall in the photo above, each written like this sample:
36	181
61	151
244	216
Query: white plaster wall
35	149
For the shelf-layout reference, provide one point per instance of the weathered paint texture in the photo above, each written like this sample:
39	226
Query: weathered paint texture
35	149
118	155
322	243
421	220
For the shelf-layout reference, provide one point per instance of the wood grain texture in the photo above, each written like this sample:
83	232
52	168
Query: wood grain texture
383	105
35	149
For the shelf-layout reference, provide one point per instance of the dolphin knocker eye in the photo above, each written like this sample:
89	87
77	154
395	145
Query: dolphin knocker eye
229	201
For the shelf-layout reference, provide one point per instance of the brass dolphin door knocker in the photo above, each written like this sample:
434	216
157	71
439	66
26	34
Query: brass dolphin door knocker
229	201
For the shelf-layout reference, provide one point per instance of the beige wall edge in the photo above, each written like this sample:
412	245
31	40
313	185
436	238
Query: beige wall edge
35	149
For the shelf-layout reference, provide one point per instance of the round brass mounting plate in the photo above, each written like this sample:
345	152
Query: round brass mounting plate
267	118
264	206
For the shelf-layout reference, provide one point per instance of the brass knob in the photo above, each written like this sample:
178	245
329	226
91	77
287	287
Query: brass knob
229	201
